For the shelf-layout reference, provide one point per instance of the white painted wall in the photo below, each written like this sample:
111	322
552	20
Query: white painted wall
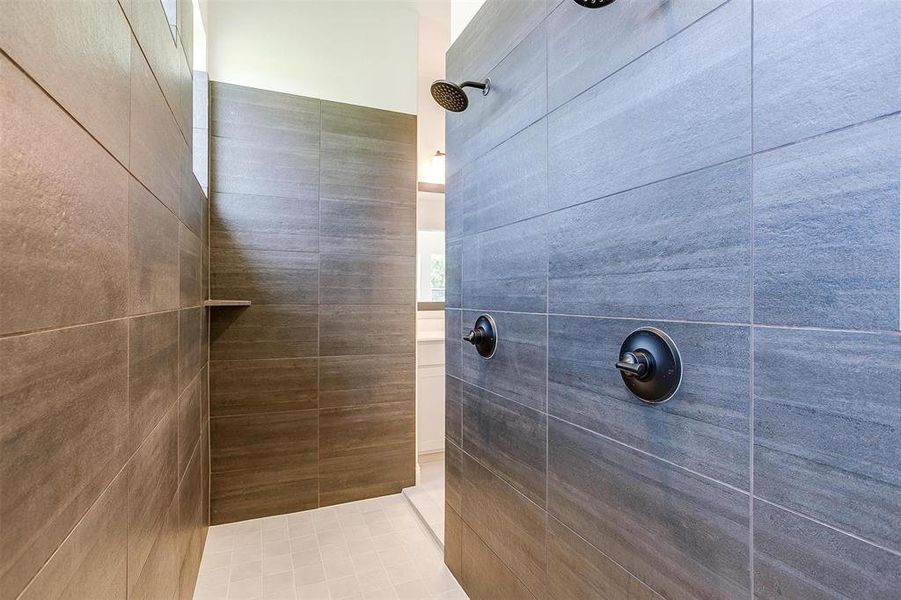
462	12
354	51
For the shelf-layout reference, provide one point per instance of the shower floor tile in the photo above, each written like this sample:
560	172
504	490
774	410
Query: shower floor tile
371	549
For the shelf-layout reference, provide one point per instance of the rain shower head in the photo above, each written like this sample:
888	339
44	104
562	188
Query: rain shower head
452	97
594	3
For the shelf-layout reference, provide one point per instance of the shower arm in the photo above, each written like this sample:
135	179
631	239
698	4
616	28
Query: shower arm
485	86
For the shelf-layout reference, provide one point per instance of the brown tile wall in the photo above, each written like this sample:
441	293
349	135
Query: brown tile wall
313	220
103	234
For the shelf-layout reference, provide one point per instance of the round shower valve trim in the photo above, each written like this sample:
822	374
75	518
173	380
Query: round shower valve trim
483	336
650	365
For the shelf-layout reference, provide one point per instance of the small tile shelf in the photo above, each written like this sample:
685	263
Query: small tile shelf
225	303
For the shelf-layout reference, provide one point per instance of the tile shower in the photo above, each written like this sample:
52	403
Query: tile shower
727	172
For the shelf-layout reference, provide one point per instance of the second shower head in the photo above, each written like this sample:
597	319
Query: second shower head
451	95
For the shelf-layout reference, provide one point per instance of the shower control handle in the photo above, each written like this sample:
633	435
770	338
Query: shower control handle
474	336
638	364
483	336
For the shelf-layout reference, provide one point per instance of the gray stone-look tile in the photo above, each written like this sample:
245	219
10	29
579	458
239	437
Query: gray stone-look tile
189	345
264	331
684	535
254	387
577	570
497	28
516	100
191	200
506	268
453	273
64	224
704	428
253	167
827	433
455	194
682	106
370	228
616	35
453	482
246	221
678	249
365	329
346	381
511	525
826	230
508	438
797	558
509	183
453	409
363	279
273	119
265	276
453	343
485	576
518	369
189	267
821	66
153	252
153	372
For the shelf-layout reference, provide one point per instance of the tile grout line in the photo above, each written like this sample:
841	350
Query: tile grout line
752	375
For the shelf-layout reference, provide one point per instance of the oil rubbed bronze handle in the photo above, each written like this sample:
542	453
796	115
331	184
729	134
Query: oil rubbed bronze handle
650	365
638	364
483	336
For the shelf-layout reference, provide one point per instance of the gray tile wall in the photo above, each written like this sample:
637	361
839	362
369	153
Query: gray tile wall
103	236
727	171
313	220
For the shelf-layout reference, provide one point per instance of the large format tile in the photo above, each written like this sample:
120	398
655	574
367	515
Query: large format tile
616	35
152	372
684	535
832	200
453	409
54	40
819	67
509	183
362	279
264	331
361	329
453	334
827	432
250	167
511	526
157	147
246	387
455	192
704	428
453	273
159	576
189	416
368	155
496	29
453	477
275	490
190	526
265	276
508	438
367	228
678	249
190	360
191	201
63	229
263	441
152	482
682	106
190	267
518	369
578	571
255	222
506	268
64	410
346	381
485	576
273	119
91	562
797	558
366	451
517	99
153	253
453	542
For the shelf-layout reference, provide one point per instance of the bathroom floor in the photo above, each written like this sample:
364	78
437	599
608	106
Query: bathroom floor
375	548
427	497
